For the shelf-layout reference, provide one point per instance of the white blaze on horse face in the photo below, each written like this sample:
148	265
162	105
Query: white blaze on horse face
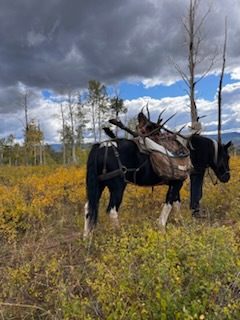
86	222
162	220
113	214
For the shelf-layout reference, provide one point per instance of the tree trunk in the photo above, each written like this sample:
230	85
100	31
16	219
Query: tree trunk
220	86
35	154
94	123
63	135
40	154
191	61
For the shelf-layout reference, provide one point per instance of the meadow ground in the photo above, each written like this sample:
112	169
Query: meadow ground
48	271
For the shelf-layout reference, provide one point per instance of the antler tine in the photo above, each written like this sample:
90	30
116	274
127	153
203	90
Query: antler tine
160	115
181	128
148	113
173	115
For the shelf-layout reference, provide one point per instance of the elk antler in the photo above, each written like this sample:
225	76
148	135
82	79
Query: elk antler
148	113
173	115
119	124
159	120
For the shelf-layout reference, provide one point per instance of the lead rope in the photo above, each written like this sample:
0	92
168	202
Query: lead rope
215	147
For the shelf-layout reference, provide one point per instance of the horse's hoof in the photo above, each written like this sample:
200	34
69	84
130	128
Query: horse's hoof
115	223
86	236
160	226
199	214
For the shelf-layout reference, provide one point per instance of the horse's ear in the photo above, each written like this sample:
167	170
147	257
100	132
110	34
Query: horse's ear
229	144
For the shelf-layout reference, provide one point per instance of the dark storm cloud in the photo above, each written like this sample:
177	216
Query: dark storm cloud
59	44
109	40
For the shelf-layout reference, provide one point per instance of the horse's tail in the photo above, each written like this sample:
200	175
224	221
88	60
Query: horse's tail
92	187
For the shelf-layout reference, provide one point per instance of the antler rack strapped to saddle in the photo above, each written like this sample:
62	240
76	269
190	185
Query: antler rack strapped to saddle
170	159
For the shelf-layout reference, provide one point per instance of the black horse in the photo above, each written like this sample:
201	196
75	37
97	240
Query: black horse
117	162
205	153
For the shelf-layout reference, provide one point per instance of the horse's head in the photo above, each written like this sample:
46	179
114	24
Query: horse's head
221	167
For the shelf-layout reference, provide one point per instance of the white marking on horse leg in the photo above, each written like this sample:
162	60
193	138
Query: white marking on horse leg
178	218
86	222
113	214
162	220
176	206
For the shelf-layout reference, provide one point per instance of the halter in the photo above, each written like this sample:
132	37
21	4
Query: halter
215	146
216	150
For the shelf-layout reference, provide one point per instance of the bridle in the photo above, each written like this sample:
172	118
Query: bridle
216	163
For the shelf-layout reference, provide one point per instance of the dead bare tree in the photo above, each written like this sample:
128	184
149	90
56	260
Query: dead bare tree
193	25
63	134
71	105
25	104
25	97
220	85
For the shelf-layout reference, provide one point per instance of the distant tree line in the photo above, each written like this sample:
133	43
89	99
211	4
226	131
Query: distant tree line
82	117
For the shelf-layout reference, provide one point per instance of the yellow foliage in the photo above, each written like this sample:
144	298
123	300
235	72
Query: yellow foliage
48	272
32	196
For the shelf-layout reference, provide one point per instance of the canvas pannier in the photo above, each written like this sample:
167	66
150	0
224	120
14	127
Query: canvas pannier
169	158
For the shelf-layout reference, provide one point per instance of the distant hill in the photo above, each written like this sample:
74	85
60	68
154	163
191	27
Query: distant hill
57	147
230	136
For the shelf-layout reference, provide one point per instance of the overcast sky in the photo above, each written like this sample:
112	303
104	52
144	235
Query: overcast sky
132	45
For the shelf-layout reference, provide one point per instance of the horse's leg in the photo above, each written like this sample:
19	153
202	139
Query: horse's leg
87	223
116	188
171	197
177	201
196	184
86	229
177	206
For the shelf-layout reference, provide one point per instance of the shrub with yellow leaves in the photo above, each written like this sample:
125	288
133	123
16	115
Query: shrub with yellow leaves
49	272
28	198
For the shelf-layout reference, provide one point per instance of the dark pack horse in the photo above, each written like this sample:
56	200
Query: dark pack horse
115	163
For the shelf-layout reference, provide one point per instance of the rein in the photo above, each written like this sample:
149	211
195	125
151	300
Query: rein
216	151
211	178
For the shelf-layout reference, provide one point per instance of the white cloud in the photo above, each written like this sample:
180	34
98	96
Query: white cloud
235	74
152	82
231	87
208	109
